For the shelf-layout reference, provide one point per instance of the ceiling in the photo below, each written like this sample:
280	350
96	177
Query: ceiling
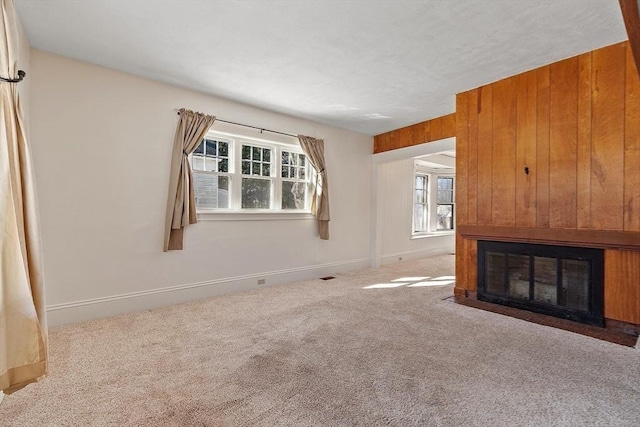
365	65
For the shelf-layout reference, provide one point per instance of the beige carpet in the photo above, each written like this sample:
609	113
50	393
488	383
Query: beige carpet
330	353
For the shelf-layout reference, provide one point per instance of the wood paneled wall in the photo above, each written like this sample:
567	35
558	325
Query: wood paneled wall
431	130
555	148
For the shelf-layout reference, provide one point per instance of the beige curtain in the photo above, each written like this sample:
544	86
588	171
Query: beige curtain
314	149
181	206
23	325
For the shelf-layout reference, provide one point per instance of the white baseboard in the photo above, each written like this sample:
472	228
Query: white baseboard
387	259
79	311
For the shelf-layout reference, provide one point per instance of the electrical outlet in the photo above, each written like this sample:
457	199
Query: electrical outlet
262	281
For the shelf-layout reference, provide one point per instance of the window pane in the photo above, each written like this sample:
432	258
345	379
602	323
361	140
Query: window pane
419	217
255	168
211	191
292	172
285	157
223	149
256	153
293	158
303	160
223	165
200	148
246	152
246	168
256	193
445	217
420	182
285	172
293	195
197	163
445	183
210	164
445	196
266	169
211	148
302	173
266	155
420	196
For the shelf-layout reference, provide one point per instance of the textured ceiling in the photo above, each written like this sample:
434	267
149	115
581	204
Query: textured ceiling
369	66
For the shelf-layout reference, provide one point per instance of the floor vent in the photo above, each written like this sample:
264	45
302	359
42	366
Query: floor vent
327	278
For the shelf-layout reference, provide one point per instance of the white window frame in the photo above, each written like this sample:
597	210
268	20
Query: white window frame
432	197
235	211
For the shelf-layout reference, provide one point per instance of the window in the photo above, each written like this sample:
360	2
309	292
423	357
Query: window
421	204
433	202
233	173
444	208
210	164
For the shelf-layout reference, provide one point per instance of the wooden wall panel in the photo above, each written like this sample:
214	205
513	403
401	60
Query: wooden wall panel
448	125
466	265
542	149
526	109
420	133
563	132
632	147
462	280
462	146
622	286
607	144
504	153
472	166
485	137
576	125
583	146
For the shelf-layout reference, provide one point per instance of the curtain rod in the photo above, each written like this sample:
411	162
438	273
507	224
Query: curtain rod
21	75
254	127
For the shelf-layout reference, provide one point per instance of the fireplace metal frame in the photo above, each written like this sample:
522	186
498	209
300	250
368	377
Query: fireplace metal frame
595	298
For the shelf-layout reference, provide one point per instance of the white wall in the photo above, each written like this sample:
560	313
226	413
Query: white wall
102	144
392	177
395	201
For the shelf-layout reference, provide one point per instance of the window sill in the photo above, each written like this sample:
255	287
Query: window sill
256	215
433	234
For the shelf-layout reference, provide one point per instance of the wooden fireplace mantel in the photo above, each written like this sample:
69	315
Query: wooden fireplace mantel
604	239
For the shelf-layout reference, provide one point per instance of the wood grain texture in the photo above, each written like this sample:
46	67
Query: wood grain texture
504	152
570	237
448	125
607	143
461	266
622	286
436	129
526	171
631	17
472	166
471	260
563	131
485	163
632	147
419	133
462	160
583	146
542	148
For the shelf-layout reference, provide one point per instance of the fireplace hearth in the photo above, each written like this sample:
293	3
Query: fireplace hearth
561	281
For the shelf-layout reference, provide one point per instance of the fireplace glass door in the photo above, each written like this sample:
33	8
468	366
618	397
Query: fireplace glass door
560	281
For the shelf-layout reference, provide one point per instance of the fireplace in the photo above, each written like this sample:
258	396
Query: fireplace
560	281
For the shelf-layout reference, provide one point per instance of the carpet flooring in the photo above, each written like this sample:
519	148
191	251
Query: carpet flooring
368	348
